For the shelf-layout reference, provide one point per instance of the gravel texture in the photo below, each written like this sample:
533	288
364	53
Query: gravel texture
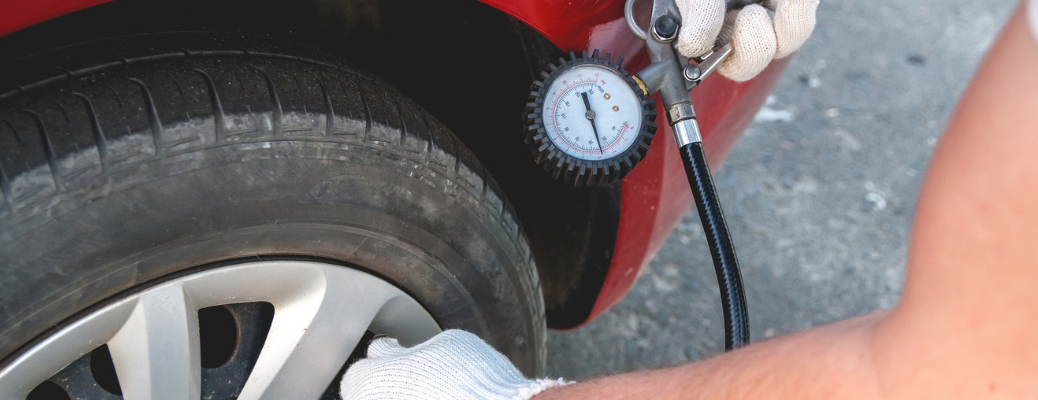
819	193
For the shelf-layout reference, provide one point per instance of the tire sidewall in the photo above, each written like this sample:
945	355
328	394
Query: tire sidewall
361	206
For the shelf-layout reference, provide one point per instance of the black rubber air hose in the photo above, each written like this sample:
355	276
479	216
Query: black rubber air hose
722	250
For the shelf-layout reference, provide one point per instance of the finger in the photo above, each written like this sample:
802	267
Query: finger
464	342
701	21
753	43
468	343
471	347
384	347
794	22
355	383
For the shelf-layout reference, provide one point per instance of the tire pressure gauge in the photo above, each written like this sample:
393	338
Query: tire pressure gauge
589	120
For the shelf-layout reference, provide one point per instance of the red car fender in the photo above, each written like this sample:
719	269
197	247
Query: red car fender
655	194
18	14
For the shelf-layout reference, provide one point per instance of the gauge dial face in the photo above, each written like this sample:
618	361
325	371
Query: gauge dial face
591	113
588	121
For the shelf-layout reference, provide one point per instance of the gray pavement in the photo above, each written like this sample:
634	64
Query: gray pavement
819	193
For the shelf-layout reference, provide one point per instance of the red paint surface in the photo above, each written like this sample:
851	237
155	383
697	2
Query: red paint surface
655	194
18	14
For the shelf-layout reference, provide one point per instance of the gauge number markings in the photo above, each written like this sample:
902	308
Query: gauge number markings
560	119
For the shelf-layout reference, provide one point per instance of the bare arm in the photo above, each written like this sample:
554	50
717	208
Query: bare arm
969	313
967	325
823	363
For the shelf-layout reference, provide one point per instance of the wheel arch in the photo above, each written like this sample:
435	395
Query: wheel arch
468	63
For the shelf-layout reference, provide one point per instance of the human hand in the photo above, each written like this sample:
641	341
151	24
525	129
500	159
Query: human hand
759	33
452	365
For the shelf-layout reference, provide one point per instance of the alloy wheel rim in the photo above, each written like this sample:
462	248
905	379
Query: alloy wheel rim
321	313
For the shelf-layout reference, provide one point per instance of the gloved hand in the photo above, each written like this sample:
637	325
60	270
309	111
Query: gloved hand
453	365
759	33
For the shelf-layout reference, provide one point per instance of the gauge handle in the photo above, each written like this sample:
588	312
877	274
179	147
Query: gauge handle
641	34
722	250
666	74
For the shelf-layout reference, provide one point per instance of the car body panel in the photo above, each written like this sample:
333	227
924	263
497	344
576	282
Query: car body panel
18	14
655	195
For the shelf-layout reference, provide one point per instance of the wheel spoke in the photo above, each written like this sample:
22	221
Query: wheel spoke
53	354
156	352
321	312
313	335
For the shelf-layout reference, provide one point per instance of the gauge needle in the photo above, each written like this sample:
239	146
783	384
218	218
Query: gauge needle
591	117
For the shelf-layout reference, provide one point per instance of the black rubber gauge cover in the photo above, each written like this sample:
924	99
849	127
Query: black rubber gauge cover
567	168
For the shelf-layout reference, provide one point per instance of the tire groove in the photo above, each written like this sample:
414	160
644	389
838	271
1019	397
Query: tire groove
403	126
427	157
118	99
153	117
329	126
99	137
214	98
457	159
367	113
17	138
483	192
180	90
48	151
64	112
5	189
274	99
28	194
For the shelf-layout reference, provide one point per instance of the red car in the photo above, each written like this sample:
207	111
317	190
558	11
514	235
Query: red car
227	198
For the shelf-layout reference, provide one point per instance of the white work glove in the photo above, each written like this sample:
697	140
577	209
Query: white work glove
759	33
453	365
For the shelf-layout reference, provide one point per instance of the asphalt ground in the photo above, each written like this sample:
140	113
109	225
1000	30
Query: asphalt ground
819	193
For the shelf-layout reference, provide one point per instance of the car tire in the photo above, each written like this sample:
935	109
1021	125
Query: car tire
133	160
